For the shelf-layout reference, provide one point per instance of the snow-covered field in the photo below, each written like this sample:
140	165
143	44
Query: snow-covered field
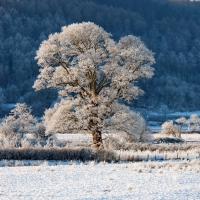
187	137
191	137
166	180
101	181
74	136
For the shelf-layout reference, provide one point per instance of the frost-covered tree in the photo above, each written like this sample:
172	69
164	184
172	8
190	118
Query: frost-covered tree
39	131
128	124
194	122
182	121
169	128
19	121
94	71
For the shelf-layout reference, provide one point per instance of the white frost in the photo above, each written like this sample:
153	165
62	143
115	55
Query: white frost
98	181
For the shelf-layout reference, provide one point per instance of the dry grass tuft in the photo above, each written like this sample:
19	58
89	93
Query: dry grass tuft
129	186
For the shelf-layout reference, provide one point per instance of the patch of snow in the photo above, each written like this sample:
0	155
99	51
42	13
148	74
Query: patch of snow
74	136
191	137
99	181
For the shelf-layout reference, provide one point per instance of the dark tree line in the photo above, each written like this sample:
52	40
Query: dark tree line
170	29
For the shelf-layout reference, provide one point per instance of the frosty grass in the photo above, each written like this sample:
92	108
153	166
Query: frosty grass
118	181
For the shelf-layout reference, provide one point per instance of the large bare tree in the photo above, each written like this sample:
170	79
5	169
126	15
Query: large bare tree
93	73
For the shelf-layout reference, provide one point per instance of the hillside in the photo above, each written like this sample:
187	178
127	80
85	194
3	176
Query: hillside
170	29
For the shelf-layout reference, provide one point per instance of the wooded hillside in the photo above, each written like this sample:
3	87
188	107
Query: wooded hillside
170	29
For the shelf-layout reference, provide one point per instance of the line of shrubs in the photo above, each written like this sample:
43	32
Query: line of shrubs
82	154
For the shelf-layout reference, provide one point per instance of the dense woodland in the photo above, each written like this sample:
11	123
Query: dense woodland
170	29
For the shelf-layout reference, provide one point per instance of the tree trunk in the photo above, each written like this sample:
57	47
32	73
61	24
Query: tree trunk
97	139
95	127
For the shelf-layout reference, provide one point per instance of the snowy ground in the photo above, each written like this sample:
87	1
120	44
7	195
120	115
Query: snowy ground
187	137
191	137
74	136
99	181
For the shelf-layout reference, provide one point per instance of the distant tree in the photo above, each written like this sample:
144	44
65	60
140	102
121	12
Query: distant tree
18	122
182	63
93	72
194	122
182	121
164	110
2	97
7	23
169	128
39	131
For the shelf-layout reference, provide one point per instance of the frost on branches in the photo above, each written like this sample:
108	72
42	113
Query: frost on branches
18	123
169	128
92	72
193	122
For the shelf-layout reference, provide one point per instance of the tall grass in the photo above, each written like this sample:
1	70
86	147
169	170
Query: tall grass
162	147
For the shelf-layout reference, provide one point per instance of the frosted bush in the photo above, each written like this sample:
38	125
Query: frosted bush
194	122
39	131
182	121
19	122
169	128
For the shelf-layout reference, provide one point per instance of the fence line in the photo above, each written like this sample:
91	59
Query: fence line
151	156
